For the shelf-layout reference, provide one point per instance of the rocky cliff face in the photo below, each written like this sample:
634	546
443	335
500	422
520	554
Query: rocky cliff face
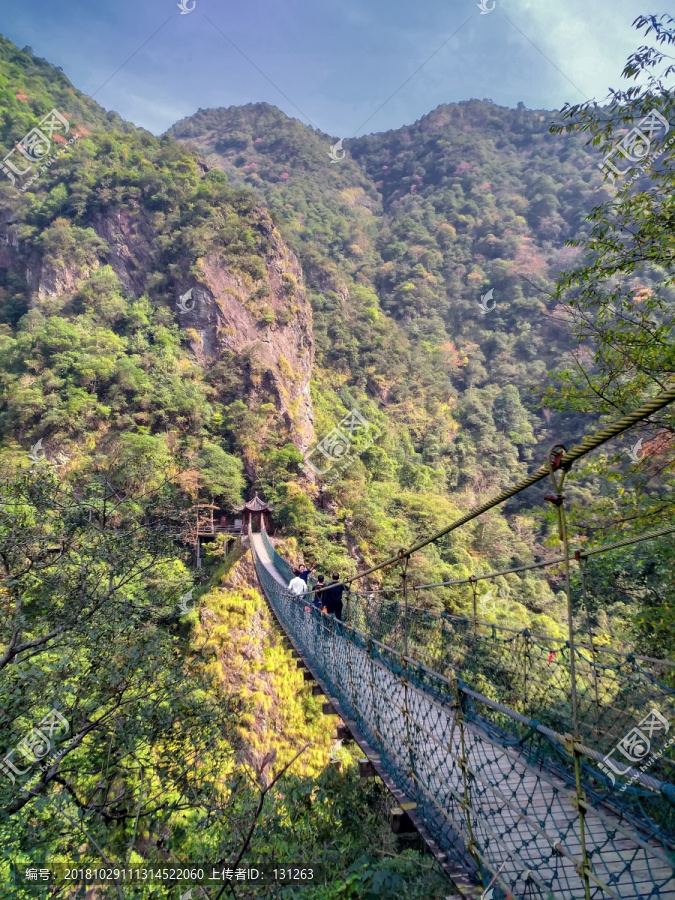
265	322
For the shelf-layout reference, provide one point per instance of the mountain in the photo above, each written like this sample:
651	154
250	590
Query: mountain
401	239
190	318
218	298
430	255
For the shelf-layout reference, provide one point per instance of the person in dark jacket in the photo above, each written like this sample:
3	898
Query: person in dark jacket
319	601
304	572
333	595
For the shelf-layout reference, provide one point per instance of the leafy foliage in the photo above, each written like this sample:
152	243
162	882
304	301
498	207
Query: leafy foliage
182	725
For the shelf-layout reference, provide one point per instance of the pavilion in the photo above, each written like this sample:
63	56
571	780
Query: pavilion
257	512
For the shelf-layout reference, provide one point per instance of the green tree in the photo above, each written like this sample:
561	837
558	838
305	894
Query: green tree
620	301
222	473
510	416
621	298
89	584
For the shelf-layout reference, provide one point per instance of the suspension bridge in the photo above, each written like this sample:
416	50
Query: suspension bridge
532	767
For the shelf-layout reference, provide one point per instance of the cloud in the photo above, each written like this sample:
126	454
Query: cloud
586	42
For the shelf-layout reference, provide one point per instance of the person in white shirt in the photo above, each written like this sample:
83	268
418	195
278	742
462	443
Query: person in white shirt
297	585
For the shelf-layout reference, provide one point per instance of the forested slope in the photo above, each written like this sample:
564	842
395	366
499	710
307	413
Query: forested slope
181	319
398	242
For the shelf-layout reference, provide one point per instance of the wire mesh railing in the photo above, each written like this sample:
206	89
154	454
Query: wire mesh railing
280	564
530	675
526	671
542	763
495	788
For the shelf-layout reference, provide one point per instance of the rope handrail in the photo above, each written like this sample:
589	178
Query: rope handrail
439	615
588	444
653	784
528	566
626	542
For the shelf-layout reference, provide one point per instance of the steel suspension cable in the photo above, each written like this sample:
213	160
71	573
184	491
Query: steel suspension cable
528	566
570	456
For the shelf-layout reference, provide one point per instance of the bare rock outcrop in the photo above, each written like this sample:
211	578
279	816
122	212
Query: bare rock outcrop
265	321
268	324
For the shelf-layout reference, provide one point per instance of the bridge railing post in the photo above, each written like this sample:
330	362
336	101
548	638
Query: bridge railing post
474	590
583	562
572	742
406	716
404	559
374	701
463	763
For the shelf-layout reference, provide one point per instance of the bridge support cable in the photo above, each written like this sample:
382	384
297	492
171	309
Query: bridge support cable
514	570
565	461
557	474
494	789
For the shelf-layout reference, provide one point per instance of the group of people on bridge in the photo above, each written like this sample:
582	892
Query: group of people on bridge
327	597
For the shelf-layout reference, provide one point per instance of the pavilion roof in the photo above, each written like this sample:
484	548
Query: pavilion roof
255	505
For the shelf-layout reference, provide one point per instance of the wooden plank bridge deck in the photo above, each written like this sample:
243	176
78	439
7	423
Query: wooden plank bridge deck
520	816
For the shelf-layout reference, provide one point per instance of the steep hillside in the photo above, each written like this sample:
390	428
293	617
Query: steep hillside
146	295
419	224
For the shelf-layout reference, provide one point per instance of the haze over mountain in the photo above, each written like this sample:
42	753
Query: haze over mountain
336	65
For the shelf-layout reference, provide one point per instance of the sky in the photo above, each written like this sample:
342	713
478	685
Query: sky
347	67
